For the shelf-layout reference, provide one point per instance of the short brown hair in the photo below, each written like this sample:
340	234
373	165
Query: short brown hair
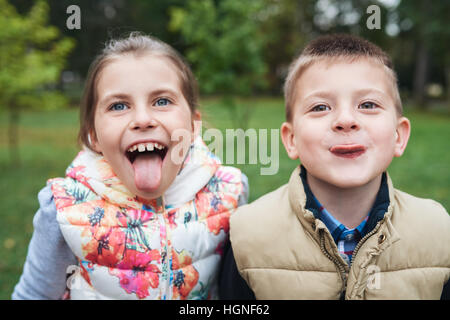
136	44
336	46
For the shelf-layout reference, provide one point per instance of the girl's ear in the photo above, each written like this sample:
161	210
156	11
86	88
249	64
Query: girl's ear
196	124
401	136
287	136
92	138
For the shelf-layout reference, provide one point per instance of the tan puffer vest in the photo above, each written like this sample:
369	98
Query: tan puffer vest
283	252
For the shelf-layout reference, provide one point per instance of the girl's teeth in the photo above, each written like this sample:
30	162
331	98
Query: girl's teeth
146	147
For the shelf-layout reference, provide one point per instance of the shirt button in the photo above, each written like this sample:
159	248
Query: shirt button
349	237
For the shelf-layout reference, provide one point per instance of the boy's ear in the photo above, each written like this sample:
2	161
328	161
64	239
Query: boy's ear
402	136
288	138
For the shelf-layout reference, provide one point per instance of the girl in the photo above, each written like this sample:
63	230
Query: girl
143	210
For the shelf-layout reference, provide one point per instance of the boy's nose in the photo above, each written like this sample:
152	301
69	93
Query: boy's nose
346	122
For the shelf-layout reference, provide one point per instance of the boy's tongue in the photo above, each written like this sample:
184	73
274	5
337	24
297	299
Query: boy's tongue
147	171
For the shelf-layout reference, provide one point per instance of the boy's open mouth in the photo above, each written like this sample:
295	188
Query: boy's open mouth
348	150
146	159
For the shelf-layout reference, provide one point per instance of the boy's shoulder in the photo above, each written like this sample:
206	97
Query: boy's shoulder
268	210
425	213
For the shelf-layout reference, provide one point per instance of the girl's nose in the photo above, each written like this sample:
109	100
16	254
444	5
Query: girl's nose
346	122
143	118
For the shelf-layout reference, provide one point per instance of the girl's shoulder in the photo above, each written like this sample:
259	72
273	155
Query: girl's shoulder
230	180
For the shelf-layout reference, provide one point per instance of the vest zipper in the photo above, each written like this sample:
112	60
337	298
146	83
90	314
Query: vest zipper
361	242
340	266
168	259
336	261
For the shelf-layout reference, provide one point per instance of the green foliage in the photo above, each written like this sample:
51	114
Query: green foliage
225	44
31	58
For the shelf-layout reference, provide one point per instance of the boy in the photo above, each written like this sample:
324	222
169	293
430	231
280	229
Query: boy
339	229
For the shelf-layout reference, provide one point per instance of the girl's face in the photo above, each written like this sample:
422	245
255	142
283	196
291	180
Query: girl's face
143	124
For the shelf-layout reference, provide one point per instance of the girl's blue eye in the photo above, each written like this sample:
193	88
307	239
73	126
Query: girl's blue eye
367	105
162	102
320	107
118	107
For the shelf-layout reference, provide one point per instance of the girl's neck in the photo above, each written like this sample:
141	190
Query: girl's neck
350	205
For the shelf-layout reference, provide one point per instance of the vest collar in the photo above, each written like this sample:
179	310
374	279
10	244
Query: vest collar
301	204
93	171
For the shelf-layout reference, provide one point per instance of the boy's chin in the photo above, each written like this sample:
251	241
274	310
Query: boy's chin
343	179
351	181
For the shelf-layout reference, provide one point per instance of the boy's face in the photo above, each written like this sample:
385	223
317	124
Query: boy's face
345	128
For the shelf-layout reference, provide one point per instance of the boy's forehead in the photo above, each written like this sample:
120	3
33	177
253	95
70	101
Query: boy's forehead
344	74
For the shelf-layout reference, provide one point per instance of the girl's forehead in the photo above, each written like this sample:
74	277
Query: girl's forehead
124	69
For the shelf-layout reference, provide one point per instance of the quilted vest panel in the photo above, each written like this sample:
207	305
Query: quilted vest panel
147	250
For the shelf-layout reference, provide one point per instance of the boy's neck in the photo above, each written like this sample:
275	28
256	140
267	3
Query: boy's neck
350	205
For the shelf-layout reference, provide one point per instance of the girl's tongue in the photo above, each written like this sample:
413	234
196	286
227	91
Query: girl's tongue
147	171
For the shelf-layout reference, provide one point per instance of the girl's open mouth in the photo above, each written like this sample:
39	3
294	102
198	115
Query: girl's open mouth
146	148
348	150
146	159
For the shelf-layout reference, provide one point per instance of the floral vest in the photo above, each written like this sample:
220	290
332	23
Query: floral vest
168	248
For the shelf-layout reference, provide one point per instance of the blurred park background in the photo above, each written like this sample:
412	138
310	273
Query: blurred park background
239	51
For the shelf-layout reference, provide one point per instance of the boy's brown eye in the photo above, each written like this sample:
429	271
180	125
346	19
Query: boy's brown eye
368	105
320	107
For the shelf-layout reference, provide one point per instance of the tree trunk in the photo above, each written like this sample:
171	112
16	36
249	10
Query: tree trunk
447	79
420	75
13	135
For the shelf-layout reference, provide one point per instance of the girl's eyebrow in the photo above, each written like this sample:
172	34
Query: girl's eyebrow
162	91
114	96
124	96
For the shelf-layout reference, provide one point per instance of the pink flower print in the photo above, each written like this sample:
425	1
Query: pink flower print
136	274
184	273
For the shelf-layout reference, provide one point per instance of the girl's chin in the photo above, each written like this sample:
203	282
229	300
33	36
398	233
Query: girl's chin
146	196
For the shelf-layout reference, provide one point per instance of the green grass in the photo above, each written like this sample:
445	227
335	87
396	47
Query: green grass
48	144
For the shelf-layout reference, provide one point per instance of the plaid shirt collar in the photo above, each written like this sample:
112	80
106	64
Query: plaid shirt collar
337	229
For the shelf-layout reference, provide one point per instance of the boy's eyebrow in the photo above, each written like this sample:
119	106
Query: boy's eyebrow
329	95
370	90
319	94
